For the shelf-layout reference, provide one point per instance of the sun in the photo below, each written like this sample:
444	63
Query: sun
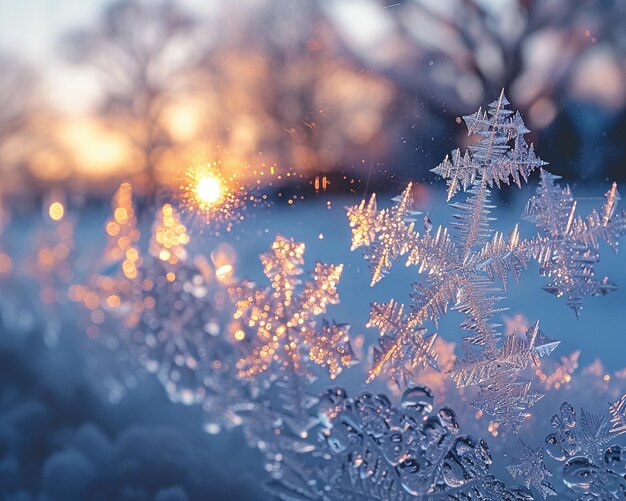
209	190
212	196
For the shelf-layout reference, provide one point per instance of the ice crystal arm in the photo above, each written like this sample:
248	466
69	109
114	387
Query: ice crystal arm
330	347
282	267
491	159
618	416
321	290
363	222
387	233
528	466
567	246
122	233
169	236
476	299
478	366
499	258
403	345
503	393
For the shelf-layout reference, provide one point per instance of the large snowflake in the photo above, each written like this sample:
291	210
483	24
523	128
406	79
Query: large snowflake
283	318
467	268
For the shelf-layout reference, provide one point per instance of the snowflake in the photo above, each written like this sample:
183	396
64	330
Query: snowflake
460	268
284	319
369	449
593	460
503	393
164	313
567	247
529	466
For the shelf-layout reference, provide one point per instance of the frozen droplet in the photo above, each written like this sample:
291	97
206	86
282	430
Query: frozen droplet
553	447
338	439
615	459
568	415
212	428
579	473
448	419
332	397
453	473
393	448
412	477
419	399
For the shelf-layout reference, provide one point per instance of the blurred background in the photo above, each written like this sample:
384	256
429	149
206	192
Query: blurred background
96	92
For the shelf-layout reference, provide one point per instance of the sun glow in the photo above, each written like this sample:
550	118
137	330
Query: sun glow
211	195
209	190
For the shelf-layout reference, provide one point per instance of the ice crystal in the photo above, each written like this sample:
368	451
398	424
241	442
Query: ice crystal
460	269
567	246
467	267
592	451
283	318
369	449
529	466
160	313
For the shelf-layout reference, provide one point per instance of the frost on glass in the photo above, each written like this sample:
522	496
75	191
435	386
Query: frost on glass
528	466
158	312
589	451
283	315
368	449
467	267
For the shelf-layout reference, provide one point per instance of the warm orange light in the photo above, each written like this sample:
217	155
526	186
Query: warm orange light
209	190
215	198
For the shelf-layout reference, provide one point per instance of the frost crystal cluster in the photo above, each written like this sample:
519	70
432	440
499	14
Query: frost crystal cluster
283	318
467	267
160	312
590	450
283	346
369	449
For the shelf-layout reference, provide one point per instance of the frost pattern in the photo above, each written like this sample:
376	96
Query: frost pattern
528	465
467	268
283	318
369	449
591	450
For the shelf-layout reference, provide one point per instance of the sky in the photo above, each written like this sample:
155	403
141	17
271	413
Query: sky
31	31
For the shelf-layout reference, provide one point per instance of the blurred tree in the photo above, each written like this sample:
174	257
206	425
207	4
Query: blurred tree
17	104
453	56
143	52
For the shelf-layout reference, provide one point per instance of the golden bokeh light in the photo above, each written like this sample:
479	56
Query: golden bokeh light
56	211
